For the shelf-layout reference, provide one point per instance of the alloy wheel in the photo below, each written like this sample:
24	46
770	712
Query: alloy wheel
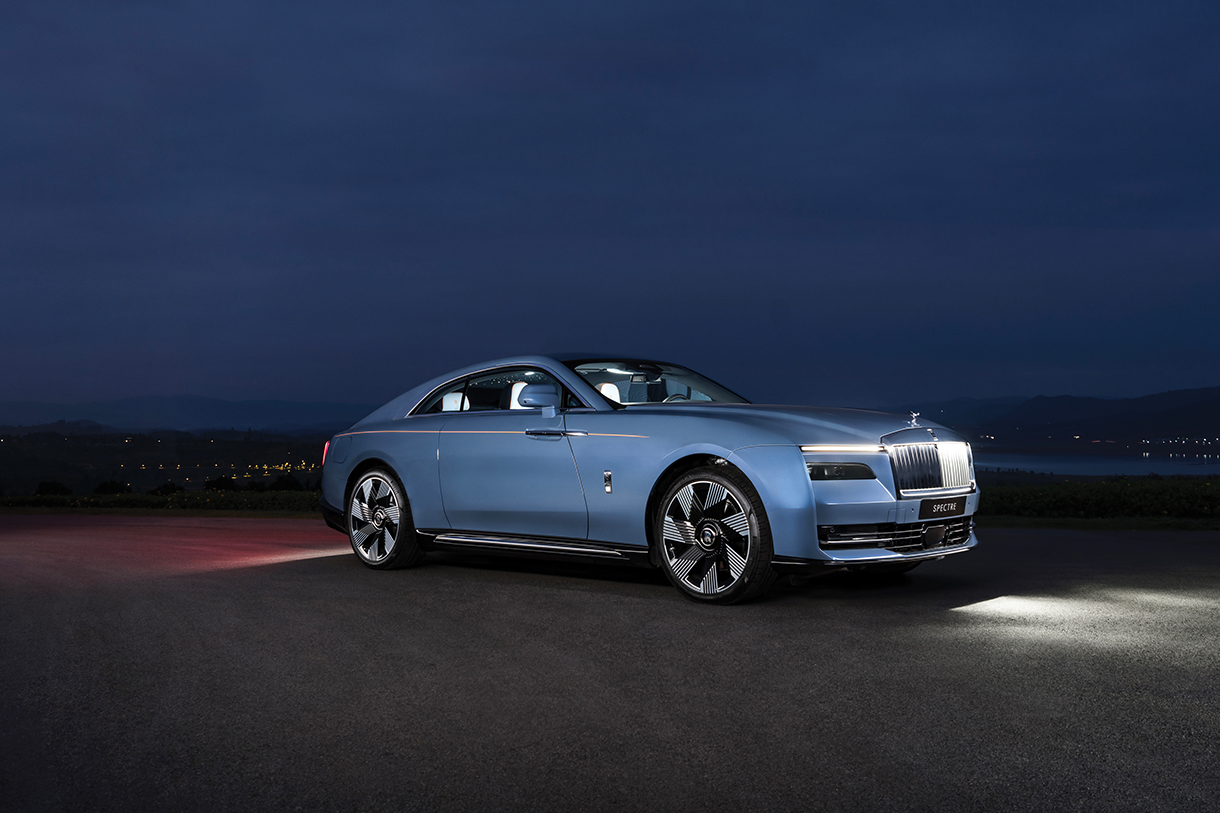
706	537
374	524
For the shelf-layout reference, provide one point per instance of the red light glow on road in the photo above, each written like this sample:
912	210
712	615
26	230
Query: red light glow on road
66	550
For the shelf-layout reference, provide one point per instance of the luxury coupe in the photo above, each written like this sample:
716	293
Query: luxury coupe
631	461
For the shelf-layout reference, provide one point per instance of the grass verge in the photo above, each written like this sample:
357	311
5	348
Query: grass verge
1099	523
1192	499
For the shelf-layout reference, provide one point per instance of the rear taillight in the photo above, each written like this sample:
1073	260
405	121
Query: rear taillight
325	449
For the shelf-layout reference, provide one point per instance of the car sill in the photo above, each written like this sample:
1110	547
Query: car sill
540	547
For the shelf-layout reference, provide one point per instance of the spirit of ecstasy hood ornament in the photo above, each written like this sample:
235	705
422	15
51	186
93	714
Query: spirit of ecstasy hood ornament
914	418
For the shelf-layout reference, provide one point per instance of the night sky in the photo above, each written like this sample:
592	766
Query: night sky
855	204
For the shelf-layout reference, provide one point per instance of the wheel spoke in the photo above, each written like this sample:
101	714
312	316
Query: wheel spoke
678	531
685	499
361	536
391	512
715	495
737	565
684	563
698	506
739	524
710	583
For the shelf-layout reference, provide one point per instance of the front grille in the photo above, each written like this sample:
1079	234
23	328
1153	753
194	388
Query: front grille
929	466
894	537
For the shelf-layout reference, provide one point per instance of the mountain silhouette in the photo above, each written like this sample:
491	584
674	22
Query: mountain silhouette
189	413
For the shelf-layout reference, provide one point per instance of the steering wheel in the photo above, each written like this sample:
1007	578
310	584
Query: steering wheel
677	396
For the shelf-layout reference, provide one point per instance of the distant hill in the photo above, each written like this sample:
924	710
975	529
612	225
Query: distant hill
1179	413
189	413
961	411
1185	413
66	428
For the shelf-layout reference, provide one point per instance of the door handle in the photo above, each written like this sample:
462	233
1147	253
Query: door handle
546	433
576	433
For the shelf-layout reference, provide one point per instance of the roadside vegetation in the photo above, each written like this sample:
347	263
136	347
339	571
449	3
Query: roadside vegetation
278	502
284	495
1112	503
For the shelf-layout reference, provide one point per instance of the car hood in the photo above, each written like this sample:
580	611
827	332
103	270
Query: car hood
818	425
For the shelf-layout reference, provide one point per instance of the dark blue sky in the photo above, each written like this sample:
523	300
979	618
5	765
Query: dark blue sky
861	203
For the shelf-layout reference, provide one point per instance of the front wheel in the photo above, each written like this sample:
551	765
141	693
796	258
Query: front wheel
379	523
714	538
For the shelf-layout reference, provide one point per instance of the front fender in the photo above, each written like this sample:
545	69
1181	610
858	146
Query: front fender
779	475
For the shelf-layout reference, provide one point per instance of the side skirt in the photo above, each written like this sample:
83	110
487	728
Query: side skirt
534	547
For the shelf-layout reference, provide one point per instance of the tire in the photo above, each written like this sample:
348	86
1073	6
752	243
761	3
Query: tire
379	522
713	537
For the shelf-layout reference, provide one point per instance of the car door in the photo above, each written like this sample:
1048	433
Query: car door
509	469
619	455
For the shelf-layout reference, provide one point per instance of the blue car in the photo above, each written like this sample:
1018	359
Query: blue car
644	462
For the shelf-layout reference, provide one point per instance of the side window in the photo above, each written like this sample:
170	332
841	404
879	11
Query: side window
449	399
501	389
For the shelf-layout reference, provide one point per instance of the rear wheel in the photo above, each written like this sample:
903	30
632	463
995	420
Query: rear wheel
714	538
379	523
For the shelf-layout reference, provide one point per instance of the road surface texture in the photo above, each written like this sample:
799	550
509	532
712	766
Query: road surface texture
244	664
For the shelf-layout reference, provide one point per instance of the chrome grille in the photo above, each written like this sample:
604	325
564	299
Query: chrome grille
930	466
893	537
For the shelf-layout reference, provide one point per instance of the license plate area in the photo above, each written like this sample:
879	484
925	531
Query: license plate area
944	507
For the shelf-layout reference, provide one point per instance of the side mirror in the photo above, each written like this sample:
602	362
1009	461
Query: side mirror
539	395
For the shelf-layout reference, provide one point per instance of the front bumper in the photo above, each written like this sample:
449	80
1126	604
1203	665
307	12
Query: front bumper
866	556
888	546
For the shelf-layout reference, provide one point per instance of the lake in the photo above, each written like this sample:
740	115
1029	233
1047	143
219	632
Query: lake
1134	465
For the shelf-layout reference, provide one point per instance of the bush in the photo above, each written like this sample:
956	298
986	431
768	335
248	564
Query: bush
166	488
52	488
257	486
1183	498
286	482
112	487
287	501
222	483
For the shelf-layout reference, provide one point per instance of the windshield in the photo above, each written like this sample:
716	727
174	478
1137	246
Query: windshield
628	382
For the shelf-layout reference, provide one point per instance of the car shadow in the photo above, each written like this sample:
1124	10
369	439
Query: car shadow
627	574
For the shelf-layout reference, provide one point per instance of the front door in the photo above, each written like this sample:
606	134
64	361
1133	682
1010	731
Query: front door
507	469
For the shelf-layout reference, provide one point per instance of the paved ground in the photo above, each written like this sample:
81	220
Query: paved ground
212	664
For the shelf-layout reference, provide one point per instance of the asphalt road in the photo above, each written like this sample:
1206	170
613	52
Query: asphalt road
228	664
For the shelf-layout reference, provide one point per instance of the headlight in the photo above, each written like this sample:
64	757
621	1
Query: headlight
840	471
